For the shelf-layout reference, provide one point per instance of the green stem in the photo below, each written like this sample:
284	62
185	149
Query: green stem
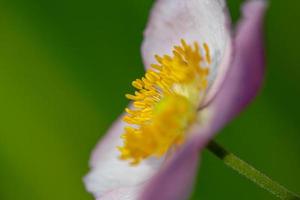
251	173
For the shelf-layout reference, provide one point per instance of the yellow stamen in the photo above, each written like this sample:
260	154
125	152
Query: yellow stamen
207	52
165	103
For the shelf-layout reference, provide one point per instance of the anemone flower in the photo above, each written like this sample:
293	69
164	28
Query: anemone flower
200	74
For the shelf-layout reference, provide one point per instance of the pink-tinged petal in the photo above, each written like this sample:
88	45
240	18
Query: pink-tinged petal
245	76
108	172
124	193
202	21
174	181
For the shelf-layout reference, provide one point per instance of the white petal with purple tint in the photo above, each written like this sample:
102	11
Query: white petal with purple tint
108	172
202	21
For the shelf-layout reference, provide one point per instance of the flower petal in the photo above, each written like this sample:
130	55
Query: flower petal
174	181
124	193
202	21
108	172
245	76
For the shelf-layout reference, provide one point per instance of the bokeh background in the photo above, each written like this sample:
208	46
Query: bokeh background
64	68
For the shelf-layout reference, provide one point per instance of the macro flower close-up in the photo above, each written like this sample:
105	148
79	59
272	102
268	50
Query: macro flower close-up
200	73
149	100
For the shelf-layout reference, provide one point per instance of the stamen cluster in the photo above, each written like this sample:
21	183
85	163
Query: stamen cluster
165	103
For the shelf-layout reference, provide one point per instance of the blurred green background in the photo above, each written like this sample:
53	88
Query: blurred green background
64	68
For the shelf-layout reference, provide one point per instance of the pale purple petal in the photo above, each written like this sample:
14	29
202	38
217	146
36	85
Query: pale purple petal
124	193
202	21
108	172
174	181
245	76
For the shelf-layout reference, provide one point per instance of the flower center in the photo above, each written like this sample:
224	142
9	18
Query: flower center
165	103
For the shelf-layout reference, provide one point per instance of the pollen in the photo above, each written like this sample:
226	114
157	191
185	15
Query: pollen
165	103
